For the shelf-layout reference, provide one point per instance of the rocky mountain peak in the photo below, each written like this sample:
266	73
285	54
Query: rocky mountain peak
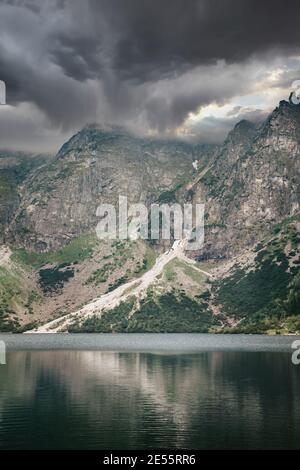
237	142
284	120
241	135
243	128
97	165
254	183
91	137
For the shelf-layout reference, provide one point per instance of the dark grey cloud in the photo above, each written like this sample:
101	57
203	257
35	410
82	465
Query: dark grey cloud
143	63
142	40
156	36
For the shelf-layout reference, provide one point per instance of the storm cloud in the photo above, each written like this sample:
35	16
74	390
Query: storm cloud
146	64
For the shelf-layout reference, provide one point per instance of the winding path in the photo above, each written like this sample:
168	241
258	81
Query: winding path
136	287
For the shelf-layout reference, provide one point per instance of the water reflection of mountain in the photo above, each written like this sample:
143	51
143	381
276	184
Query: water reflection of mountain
132	399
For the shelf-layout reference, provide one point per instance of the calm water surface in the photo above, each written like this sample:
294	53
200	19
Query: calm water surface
149	391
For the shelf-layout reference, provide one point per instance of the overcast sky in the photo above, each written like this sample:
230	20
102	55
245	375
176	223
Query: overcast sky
189	68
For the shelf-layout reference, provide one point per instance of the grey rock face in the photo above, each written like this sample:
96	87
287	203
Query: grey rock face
14	169
254	183
96	166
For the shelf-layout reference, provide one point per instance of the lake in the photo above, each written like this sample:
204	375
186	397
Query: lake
143	391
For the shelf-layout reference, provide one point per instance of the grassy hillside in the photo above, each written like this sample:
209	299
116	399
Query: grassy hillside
36	287
172	312
263	296
260	293
17	294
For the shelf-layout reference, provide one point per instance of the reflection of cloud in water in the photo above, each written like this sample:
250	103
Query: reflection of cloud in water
190	393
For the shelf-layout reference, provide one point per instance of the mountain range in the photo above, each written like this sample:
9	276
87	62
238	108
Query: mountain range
55	275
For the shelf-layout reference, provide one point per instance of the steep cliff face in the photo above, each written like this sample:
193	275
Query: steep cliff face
238	142
14	169
96	166
254	183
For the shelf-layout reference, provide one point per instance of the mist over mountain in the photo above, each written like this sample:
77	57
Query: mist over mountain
185	70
